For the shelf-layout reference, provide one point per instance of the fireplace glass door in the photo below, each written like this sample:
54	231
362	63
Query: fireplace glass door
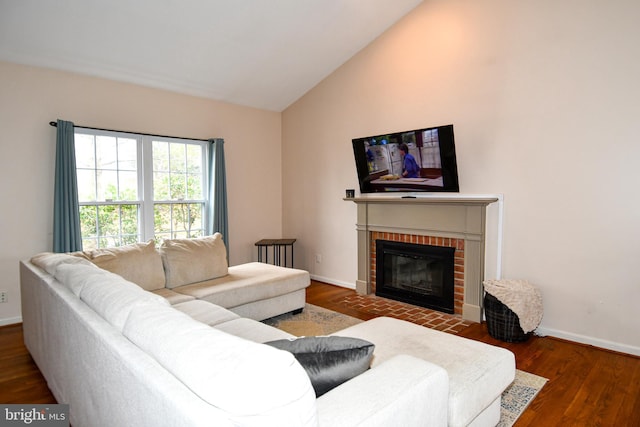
418	274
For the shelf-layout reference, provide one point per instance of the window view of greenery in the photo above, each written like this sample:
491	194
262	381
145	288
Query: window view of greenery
111	170
177	190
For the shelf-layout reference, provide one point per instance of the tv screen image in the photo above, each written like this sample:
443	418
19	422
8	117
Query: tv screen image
410	161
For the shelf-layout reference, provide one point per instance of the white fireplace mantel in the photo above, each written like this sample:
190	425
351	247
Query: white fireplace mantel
453	215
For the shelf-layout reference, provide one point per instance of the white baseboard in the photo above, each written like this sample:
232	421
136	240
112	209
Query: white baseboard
333	282
583	339
10	321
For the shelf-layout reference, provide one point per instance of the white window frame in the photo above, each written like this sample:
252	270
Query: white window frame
146	202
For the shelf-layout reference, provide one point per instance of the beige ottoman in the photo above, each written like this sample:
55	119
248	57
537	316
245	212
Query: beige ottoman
478	372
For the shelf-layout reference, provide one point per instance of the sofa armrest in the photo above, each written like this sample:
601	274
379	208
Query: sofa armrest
403	391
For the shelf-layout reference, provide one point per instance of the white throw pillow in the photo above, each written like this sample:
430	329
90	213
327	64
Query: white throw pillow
194	260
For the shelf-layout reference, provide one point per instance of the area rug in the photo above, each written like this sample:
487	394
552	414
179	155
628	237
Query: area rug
312	321
316	320
517	397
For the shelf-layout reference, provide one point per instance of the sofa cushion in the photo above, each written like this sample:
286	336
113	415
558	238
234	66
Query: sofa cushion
49	261
329	361
245	283
252	330
254	383
76	276
139	263
108	294
193	260
205	312
478	372
172	296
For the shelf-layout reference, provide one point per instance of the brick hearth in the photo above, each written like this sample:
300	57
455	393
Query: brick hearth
421	316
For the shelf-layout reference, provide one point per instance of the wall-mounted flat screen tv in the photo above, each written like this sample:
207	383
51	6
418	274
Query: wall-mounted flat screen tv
410	161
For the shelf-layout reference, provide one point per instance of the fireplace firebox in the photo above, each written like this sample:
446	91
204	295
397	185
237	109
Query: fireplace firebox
418	274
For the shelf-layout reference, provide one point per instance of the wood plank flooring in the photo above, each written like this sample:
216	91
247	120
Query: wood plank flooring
20	379
587	386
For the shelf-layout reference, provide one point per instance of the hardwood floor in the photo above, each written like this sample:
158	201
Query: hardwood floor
587	386
20	379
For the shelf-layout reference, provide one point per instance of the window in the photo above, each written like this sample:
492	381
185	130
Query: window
135	187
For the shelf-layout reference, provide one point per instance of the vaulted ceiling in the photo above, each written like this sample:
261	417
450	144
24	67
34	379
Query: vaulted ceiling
259	53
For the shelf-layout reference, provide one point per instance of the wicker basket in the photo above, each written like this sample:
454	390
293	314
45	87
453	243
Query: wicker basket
502	323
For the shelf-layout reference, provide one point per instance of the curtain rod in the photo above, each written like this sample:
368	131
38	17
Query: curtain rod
55	124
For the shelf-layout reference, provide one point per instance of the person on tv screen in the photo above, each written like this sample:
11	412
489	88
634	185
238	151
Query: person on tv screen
410	168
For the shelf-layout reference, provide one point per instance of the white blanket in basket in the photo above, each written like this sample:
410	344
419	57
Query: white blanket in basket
523	298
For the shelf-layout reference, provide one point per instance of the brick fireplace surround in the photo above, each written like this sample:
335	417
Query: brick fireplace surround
449	242
438	219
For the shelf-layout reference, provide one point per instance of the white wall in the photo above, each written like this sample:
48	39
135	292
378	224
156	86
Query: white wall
32	97
543	96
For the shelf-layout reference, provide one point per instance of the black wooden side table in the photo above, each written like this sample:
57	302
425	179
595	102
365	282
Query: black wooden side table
279	250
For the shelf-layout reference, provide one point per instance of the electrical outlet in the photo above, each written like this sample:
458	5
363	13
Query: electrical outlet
318	258
3	296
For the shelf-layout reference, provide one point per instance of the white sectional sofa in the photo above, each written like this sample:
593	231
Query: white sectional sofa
121	349
123	356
